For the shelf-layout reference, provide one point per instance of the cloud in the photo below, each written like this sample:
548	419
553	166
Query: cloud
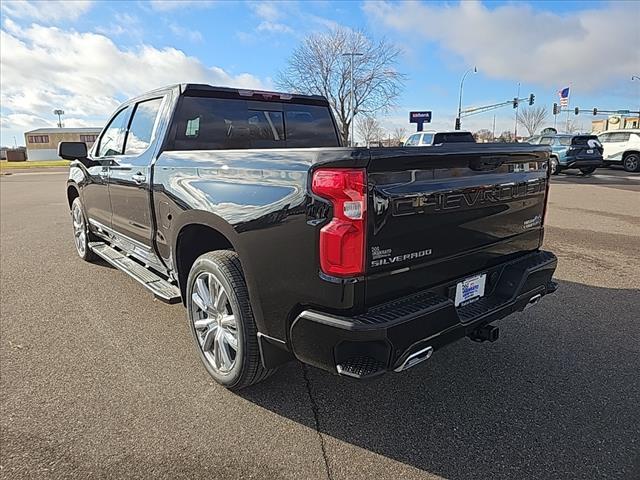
590	47
193	36
52	11
87	74
269	11
171	5
273	27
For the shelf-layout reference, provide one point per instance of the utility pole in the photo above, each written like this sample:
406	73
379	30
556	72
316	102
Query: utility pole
351	103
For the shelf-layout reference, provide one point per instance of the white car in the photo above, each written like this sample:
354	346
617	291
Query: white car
432	137
621	147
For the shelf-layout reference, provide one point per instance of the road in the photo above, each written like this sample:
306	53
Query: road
99	380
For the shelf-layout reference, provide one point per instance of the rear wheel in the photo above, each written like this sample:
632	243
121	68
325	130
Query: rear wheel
81	234
553	164
631	163
588	170
222	321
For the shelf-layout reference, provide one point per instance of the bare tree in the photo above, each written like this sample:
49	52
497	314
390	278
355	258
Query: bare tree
484	135
572	127
369	129
399	133
507	136
318	67
532	118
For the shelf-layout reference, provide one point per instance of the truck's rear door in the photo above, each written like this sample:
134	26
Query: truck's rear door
456	209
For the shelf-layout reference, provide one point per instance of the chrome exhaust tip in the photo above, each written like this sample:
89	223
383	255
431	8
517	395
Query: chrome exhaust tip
415	358
533	300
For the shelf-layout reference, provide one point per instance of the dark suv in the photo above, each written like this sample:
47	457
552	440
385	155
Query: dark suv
583	152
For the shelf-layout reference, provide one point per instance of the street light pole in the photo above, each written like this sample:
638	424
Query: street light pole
636	77
474	70
351	104
515	128
59	113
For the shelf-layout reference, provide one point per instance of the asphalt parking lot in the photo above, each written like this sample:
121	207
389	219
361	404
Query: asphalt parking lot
99	380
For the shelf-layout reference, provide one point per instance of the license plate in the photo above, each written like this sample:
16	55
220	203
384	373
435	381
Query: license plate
470	289
590	150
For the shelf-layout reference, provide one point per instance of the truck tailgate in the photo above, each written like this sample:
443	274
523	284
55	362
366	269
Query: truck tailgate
457	210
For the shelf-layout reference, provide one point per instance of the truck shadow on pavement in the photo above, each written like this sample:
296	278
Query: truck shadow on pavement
556	397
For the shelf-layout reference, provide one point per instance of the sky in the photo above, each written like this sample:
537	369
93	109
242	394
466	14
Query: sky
86	57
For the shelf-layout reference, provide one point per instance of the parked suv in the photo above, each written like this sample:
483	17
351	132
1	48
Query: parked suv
282	244
621	147
583	152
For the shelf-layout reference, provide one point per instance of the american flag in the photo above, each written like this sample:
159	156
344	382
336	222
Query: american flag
564	97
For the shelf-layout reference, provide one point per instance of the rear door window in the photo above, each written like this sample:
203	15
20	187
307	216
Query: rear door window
142	125
203	123
619	137
427	138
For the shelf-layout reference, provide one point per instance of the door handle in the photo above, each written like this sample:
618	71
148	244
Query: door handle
139	178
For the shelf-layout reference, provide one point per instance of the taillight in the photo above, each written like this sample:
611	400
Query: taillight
342	240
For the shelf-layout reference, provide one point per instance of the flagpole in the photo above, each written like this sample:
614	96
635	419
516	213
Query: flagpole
568	106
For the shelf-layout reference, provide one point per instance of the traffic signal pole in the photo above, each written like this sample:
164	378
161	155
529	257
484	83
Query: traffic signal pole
467	112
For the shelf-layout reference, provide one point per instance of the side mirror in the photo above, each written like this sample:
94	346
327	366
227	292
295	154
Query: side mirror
72	150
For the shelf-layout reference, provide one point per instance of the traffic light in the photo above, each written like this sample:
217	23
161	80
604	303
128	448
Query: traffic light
515	102
458	123
595	111
532	98
576	110
556	110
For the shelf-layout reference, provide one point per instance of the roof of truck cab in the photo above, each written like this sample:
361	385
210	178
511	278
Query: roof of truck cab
202	89
205	88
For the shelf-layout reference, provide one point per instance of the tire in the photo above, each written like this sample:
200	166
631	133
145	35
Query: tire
554	166
222	323
631	162
81	234
588	170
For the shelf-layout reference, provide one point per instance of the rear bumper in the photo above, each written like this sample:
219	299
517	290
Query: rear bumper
582	163
387	335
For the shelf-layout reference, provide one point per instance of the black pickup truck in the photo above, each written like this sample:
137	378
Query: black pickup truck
283	244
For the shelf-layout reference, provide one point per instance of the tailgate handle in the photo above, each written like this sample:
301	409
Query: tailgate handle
485	163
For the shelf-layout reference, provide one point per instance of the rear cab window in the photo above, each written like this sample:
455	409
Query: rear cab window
453	137
209	123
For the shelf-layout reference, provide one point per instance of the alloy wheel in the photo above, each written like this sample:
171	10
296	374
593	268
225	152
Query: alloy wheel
79	230
631	163
214	323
